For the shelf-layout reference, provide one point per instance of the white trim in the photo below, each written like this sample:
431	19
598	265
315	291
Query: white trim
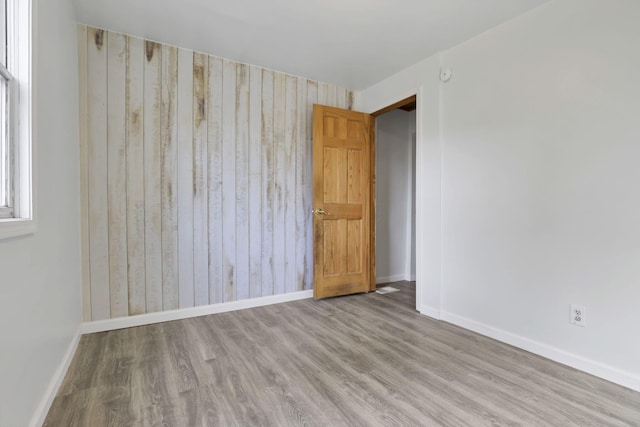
24	18
441	190
56	381
601	370
186	313
409	207
389	279
432	312
16	227
420	201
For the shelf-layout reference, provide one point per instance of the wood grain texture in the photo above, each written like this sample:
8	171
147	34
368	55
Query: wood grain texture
98	176
279	169
84	173
152	176
341	167
135	176
362	360
255	182
229	180
214	179
200	178
268	182
326	94
169	177
372	204
117	173
290	189
186	176
197	177
303	185
242	182
312	98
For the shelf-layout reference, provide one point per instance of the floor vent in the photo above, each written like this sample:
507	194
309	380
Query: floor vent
387	290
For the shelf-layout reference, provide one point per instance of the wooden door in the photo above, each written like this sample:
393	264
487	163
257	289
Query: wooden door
342	232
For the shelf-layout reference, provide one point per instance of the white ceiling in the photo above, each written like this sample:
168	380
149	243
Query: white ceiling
351	43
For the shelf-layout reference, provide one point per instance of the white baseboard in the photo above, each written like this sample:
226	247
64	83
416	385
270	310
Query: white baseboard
186	313
390	279
52	389
615	375
430	312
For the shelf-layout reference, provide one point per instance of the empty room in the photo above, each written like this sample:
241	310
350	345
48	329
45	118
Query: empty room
338	213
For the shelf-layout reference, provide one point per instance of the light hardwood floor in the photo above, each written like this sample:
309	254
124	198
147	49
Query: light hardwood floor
350	361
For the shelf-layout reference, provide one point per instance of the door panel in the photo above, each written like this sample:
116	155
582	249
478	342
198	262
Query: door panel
341	201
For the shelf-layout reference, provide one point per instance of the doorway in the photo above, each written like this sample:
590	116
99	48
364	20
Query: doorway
395	207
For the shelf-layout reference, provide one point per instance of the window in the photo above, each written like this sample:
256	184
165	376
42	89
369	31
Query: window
6	79
16	184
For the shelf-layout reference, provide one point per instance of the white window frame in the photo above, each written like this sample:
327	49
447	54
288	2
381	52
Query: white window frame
6	146
20	55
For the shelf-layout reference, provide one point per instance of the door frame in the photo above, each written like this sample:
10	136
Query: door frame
396	105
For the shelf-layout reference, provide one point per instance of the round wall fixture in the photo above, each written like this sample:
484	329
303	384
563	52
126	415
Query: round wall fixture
445	74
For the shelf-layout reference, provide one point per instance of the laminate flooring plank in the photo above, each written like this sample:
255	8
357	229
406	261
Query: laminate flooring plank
180	357
87	357
346	353
355	383
300	392
70	407
285	400
455	373
361	360
491	367
242	384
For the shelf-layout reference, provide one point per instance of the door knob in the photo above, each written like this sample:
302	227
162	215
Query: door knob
319	212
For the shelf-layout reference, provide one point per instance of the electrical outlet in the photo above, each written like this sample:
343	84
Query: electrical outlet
578	315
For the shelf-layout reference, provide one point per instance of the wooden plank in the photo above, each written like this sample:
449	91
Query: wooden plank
185	180
255	182
117	178
303	184
372	204
229	179
242	181
152	175
331	95
214	180
169	139
290	150
323	93
84	173
395	106
312	98
279	219
200	193
268	183
135	176
350	100
98	174
341	97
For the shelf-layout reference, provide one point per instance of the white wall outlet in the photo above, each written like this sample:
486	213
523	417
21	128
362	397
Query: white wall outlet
578	315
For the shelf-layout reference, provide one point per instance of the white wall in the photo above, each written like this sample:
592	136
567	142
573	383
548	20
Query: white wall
420	79
394	195
539	174
40	300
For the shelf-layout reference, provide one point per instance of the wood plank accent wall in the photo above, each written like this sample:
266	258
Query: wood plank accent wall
196	176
